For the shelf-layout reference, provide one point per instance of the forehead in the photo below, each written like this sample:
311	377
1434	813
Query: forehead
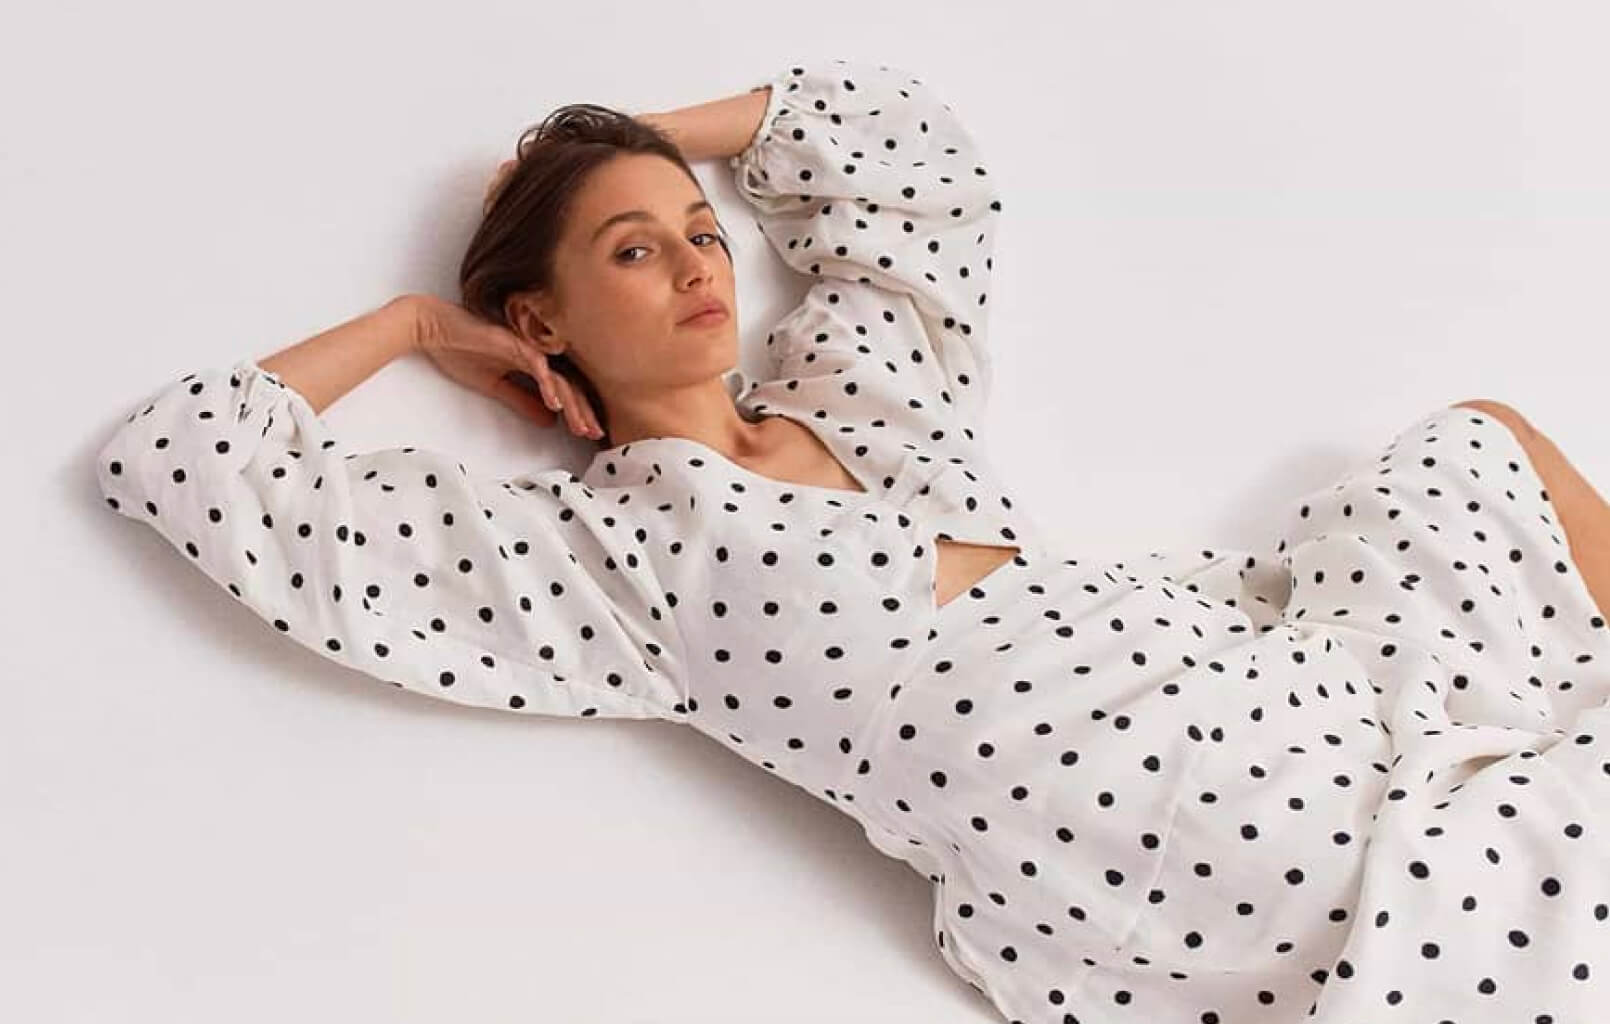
635	181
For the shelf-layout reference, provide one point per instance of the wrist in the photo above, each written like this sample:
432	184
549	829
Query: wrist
408	316
717	129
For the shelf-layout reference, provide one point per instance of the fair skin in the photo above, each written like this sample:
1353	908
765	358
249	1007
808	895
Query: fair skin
615	309
618	323
328	365
618	296
479	355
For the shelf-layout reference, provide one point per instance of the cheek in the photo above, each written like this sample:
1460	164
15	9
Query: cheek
618	304
631	321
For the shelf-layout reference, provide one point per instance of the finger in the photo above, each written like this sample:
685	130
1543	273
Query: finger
595	428
523	402
544	375
561	395
584	408
587	409
576	398
575	406
533	404
549	397
572	403
588	424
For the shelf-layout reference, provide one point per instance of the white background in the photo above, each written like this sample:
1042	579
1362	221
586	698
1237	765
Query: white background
1243	245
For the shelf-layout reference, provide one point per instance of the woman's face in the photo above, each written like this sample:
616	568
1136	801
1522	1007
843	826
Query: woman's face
622	285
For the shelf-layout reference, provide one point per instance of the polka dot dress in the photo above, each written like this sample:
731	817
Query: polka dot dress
1361	776
1355	776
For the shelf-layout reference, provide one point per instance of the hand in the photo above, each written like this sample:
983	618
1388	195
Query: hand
487	357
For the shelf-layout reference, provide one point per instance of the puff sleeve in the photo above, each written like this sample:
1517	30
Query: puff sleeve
860	174
510	594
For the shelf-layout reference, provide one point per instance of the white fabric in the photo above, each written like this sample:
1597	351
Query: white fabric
1112	771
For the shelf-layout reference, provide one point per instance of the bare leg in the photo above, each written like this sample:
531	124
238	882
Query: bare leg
1584	513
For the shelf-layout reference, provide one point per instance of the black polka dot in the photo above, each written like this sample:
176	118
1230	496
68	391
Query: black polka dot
1376	730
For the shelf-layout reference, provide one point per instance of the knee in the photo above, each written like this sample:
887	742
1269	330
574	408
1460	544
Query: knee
1505	414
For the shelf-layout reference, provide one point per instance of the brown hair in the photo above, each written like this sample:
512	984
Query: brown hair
514	247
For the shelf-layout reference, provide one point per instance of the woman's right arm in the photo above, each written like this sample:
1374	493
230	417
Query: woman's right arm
515	594
333	362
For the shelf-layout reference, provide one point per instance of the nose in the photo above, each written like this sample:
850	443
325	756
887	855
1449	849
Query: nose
698	263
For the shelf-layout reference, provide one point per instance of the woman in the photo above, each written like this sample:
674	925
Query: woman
1354	777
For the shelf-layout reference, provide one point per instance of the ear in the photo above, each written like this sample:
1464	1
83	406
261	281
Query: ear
527	319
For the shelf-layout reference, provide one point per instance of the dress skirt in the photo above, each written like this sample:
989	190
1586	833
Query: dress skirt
1362	775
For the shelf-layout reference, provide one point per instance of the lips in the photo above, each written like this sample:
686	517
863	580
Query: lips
708	307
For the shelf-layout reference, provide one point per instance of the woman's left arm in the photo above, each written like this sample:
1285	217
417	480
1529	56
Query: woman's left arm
714	130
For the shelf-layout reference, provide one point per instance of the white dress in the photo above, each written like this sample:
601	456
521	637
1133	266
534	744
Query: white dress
1353	777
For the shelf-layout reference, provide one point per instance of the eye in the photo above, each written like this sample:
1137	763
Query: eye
623	252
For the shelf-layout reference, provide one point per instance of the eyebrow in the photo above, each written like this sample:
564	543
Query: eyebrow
694	207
